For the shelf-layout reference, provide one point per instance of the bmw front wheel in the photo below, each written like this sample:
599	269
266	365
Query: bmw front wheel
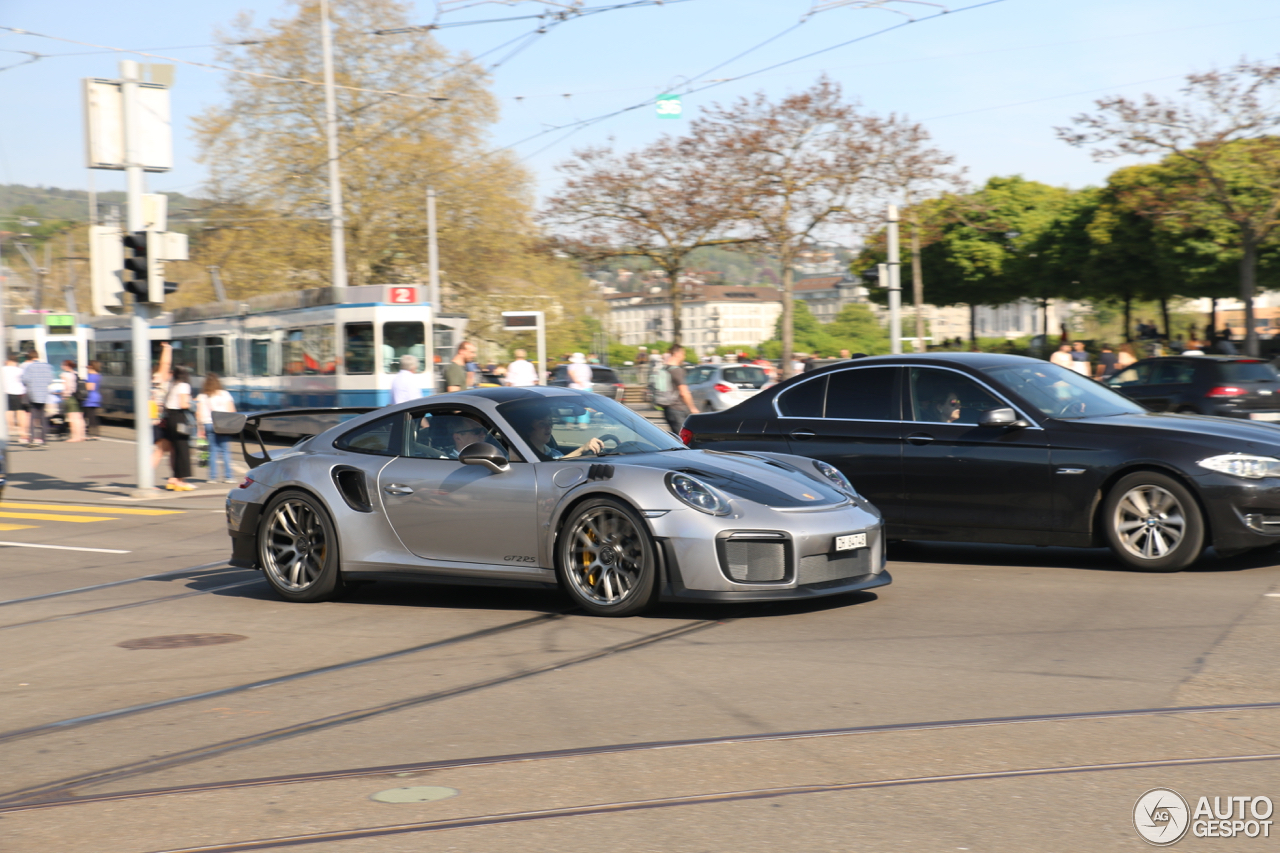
1153	523
606	559
298	548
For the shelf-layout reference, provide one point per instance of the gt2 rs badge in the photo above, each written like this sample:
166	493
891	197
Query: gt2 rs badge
517	559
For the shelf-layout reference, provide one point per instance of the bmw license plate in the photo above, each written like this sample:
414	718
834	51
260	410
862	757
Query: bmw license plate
1265	416
850	541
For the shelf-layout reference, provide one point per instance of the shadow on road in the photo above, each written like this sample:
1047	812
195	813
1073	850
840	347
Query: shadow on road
1085	559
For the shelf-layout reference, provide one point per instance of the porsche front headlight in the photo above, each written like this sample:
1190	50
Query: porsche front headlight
696	494
1243	465
833	475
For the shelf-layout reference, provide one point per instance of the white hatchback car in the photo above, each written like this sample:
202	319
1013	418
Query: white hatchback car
716	387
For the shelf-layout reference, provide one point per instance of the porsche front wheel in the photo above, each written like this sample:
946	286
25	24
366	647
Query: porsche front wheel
298	548
606	559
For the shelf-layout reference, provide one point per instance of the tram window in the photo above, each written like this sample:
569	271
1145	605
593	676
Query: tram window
117	359
402	339
259	357
57	352
291	364
215	360
25	347
185	354
358	348
317	351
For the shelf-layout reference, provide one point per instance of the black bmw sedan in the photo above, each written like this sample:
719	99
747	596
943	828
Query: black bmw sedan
975	447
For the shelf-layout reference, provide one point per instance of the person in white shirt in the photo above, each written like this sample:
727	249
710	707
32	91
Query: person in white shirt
13	387
214	398
407	384
521	373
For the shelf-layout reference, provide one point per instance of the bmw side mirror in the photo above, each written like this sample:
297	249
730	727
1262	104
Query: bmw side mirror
486	454
1005	418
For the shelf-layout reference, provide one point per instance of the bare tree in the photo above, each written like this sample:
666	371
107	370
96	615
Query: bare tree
1222	158
660	203
809	163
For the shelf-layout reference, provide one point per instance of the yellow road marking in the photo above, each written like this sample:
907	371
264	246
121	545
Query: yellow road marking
112	510
41	516
18	526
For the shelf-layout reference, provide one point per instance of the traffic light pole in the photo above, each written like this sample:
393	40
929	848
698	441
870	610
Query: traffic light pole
895	282
141	326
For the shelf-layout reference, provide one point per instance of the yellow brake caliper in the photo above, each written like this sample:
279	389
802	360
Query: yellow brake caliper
586	562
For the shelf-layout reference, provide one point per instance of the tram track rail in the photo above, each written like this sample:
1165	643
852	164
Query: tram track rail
189	756
207	568
132	604
645	746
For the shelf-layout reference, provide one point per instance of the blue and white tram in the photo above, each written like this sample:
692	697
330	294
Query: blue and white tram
57	337
298	349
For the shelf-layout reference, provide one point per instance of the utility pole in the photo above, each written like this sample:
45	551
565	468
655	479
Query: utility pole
4	354
336	225
895	283
917	282
141	321
69	289
219	292
433	255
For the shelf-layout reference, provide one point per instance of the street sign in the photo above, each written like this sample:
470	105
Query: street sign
104	126
669	106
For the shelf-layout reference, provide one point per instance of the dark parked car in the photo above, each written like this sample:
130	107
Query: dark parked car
979	447
604	380
1227	386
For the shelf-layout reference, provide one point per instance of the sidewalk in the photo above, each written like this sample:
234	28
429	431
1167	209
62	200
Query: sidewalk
100	472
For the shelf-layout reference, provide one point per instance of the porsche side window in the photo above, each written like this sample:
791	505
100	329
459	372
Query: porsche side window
942	396
805	400
865	394
444	433
379	437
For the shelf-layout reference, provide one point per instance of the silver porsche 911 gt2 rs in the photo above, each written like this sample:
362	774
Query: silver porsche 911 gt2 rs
544	486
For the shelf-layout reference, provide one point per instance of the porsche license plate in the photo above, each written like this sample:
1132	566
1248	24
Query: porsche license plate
850	541
1265	416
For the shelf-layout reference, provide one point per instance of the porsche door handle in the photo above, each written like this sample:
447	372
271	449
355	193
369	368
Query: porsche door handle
919	438
396	489
803	434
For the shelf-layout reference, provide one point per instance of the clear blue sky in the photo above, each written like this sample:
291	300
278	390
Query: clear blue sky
990	84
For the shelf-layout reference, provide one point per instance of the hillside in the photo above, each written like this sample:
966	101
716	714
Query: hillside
52	203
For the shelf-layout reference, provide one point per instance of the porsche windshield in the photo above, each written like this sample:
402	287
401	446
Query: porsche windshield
558	427
1061	393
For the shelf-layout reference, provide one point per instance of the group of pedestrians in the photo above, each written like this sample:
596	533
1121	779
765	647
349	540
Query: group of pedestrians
1074	356
177	417
29	399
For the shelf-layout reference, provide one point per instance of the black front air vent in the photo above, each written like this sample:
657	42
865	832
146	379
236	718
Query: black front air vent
760	558
352	486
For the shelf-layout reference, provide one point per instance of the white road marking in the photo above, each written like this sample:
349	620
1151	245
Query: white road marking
64	548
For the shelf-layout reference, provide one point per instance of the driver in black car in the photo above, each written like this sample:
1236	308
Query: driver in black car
538	433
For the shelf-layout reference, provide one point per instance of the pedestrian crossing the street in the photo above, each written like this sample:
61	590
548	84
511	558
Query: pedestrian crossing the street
14	514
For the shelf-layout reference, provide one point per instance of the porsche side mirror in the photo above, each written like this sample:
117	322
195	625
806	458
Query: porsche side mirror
483	453
1005	418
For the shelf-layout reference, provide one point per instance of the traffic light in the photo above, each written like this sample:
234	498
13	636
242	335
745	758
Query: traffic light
146	264
139	265
106	261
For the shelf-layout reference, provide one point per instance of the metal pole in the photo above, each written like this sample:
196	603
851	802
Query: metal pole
219	292
895	283
69	291
336	225
433	255
140	325
4	355
542	349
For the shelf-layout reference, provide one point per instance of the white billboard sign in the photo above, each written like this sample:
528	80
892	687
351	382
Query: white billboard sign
104	126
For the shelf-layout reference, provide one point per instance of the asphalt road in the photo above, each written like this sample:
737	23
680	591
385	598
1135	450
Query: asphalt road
510	722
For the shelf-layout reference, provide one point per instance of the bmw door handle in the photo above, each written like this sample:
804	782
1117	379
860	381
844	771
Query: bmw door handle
803	434
919	438
397	489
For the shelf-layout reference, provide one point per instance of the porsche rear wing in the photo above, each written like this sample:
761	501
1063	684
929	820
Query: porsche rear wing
306	422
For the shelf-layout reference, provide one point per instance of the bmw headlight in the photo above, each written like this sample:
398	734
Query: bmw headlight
696	494
835	477
1243	465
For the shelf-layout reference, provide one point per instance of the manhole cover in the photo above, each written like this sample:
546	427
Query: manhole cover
424	794
181	641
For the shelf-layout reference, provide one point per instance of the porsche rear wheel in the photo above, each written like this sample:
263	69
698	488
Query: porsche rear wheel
298	548
606	559
1153	523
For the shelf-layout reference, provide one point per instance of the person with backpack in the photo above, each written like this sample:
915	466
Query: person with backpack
73	394
671	390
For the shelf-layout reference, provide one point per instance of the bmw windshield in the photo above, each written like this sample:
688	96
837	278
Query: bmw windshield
1061	393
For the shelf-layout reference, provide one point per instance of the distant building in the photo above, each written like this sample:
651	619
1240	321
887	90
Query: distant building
712	315
826	295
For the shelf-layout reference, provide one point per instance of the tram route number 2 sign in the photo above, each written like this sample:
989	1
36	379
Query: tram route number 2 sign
402	295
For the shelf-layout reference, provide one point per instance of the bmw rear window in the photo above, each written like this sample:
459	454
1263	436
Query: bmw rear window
1247	371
